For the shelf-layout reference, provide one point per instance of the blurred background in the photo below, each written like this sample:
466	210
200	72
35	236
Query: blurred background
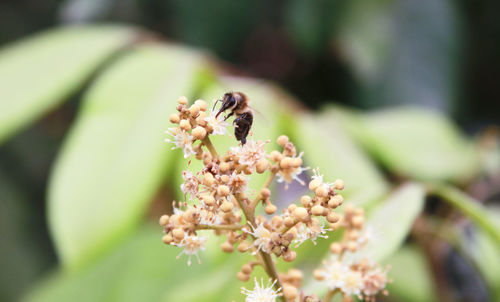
438	55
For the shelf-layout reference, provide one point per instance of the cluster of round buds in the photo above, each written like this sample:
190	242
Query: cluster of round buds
354	278
193	124
355	236
289	164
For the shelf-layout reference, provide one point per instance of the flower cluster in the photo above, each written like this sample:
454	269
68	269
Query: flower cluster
218	199
361	278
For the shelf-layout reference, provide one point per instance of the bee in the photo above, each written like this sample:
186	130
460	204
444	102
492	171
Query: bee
237	102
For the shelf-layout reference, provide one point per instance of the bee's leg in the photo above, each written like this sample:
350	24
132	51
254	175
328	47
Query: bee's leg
228	116
237	120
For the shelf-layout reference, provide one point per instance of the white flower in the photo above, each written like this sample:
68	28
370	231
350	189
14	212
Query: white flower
238	183
191	183
262	238
290	174
305	232
192	244
374	281
181	139
209	217
353	283
334	274
218	124
251	153
261	293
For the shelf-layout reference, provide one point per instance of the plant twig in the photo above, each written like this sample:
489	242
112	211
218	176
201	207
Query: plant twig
220	227
208	143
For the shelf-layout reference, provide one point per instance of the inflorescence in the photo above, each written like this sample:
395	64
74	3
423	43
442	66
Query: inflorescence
218	199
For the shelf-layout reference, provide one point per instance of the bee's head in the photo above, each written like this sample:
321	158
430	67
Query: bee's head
228	102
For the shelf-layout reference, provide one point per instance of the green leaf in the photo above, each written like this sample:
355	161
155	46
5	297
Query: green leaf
115	156
40	72
392	219
365	36
411	275
484	251
420	144
403	52
470	208
327	146
144	269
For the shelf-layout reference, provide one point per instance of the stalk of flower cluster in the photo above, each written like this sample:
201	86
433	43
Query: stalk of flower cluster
249	212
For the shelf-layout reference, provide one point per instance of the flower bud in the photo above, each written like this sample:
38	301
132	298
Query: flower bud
185	125
167	239
224	178
282	140
295	274
277	221
164	220
208	179
242	276
199	133
226	206
243	246
290	292
201	104
178	234
292	207
209	200
227	247
339	184
261	166
301	214
357	221
246	269
286	163
335	248
313	184
182	100
174	118
194	110
317	210
289	221
265	193
306	201
224	167
223	190
289	255
270	209
297	162
332	217
321	191
276	156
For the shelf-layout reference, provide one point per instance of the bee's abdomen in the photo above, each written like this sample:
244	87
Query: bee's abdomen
243	124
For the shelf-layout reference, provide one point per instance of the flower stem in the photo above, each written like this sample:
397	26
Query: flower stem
208	143
267	260
258	198
219	227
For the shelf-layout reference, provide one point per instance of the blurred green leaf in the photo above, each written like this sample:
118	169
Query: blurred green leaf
470	208
420	144
404	52
392	219
484	251
411	275
40	72
115	157
365	35
144	269
327	146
